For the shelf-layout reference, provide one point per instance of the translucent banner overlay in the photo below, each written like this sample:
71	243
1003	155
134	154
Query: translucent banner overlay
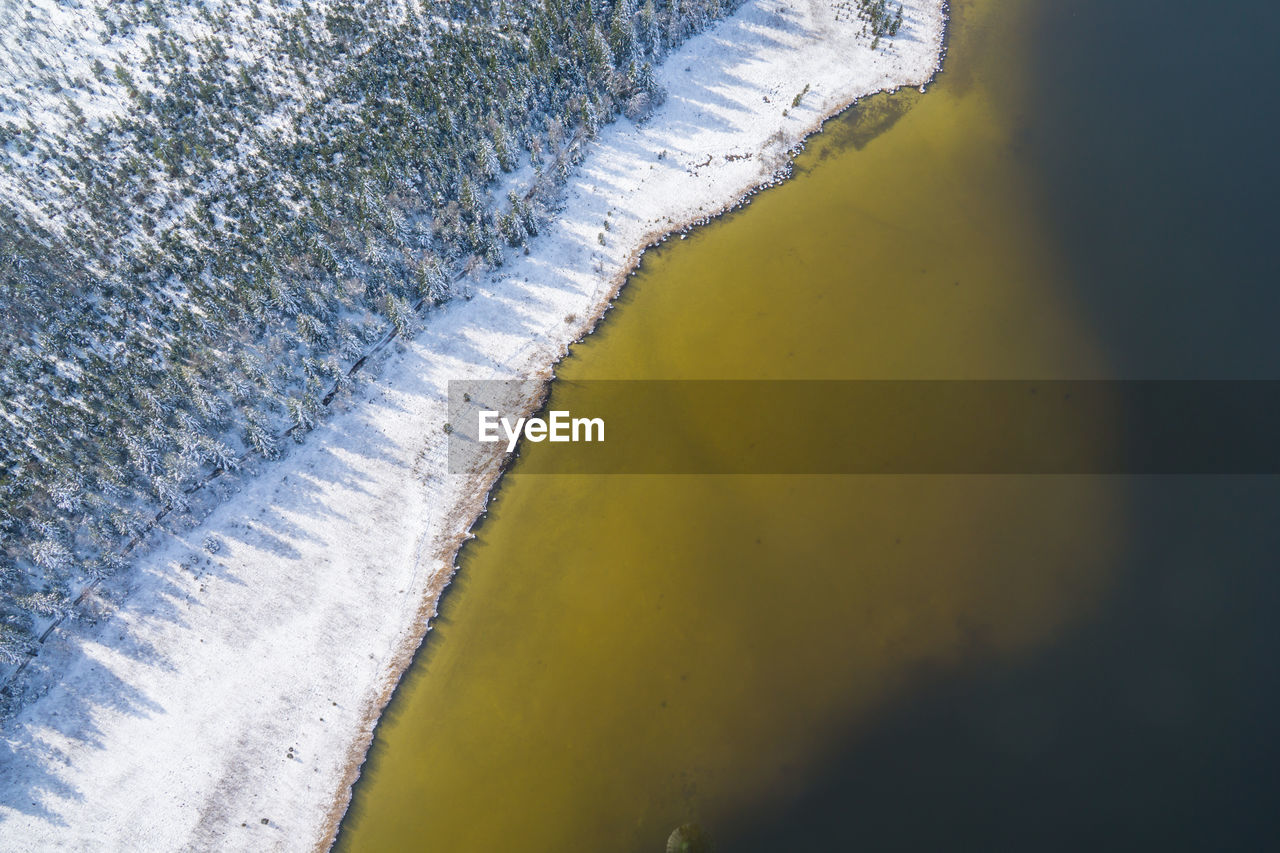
872	427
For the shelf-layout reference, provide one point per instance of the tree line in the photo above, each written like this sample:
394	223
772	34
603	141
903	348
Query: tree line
184	280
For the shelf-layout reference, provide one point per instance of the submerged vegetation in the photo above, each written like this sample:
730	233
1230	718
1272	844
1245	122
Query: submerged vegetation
210	211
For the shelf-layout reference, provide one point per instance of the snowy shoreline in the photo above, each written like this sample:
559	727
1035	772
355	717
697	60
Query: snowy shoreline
206	697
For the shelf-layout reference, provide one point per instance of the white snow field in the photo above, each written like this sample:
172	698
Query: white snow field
227	705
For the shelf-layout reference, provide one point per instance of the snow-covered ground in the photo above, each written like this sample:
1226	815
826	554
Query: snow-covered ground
224	700
48	49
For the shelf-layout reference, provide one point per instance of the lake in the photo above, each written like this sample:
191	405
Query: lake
893	661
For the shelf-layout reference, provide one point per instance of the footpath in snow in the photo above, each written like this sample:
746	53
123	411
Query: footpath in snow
223	698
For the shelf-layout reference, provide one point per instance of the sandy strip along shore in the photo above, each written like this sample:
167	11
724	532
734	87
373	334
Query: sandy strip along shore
223	697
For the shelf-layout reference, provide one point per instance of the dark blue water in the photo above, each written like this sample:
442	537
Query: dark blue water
1153	724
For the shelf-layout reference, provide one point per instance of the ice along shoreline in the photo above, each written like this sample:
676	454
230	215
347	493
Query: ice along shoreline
278	653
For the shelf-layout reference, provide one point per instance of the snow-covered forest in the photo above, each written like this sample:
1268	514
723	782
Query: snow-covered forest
210	210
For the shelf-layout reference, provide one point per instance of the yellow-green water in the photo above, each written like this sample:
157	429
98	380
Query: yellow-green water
621	655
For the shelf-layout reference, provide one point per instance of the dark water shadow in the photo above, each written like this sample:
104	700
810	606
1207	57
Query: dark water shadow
1147	727
1149	136
1154	157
